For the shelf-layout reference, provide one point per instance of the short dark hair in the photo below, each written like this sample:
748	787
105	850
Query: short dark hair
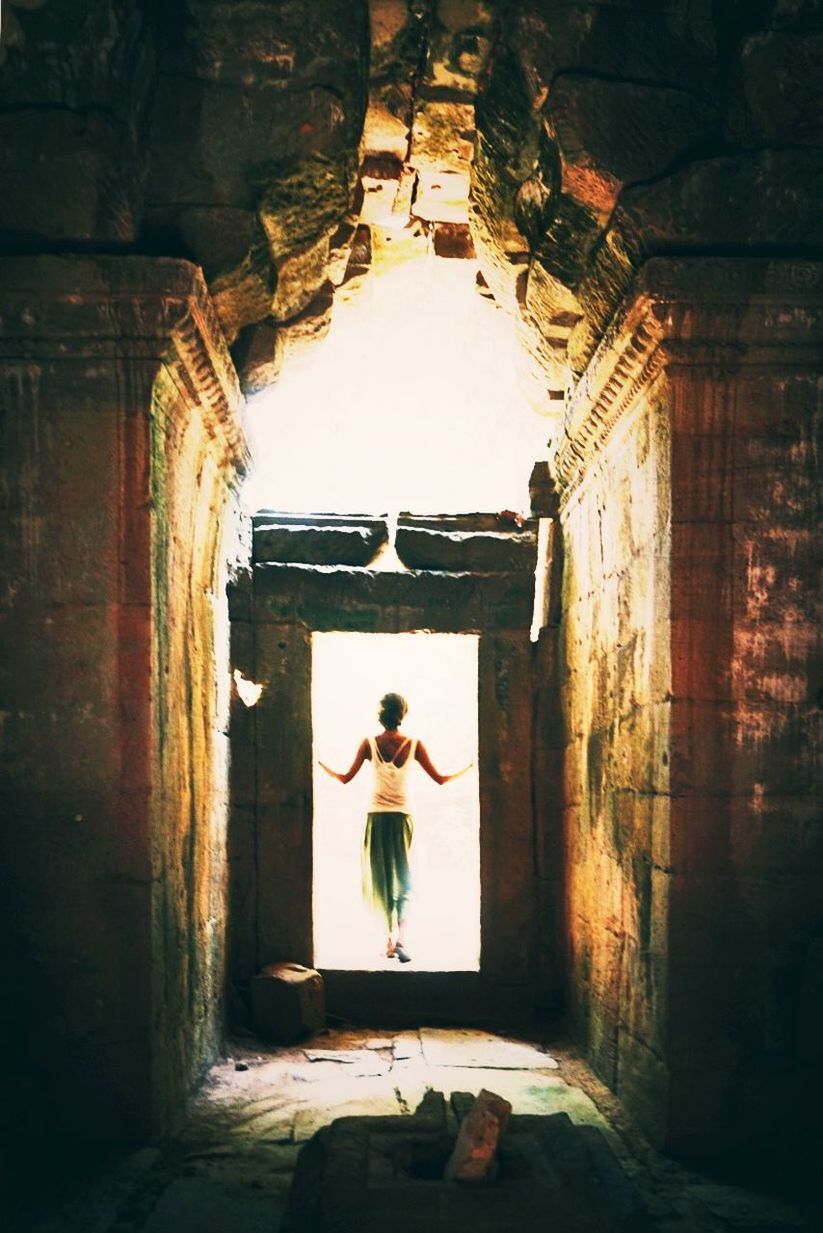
392	709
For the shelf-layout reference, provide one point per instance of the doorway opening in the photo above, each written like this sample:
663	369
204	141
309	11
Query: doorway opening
438	675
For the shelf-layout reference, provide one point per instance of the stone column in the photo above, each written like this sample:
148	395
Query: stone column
695	854
121	451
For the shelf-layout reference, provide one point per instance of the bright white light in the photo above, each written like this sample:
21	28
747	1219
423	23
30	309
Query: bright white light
248	691
411	403
437	674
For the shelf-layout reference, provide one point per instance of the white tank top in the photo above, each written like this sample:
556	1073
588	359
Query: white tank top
389	794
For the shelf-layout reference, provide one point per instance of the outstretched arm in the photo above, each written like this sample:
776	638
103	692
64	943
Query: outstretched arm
428	766
359	759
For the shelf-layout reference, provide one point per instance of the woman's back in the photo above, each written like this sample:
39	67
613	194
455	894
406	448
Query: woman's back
391	760
392	746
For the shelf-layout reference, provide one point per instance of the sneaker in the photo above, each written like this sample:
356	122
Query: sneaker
402	954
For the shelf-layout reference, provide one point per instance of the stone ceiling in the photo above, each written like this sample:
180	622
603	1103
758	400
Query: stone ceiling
278	144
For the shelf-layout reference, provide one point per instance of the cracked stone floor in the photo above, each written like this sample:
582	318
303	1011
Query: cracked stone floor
230	1168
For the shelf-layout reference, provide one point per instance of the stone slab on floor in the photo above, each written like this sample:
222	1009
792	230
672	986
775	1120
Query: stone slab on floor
195	1203
364	1175
462	1047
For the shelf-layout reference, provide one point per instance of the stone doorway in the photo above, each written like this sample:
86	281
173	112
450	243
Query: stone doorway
468	575
437	674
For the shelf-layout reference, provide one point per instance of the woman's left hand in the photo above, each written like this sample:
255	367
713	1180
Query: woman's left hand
457	774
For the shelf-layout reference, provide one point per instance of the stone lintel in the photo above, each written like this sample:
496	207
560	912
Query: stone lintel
324	597
142	309
722	313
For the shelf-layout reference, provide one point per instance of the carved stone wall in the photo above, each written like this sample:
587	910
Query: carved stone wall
120	455
688	691
609	133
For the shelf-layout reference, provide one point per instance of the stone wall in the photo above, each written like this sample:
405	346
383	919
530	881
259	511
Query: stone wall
225	135
609	133
688	689
614	682
120	452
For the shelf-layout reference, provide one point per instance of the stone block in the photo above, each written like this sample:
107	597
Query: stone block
300	275
768	196
453	240
486	552
218	237
442	196
86	154
778	95
386	128
311	325
610	133
243	295
258	355
317	545
287	1002
474	1156
442	136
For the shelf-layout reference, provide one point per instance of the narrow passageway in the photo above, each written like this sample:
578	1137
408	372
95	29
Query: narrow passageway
433	319
231	1168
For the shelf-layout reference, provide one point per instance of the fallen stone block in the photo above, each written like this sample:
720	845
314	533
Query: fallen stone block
474	1158
288	1002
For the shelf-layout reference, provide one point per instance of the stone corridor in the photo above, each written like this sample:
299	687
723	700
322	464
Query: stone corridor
195	195
230	1169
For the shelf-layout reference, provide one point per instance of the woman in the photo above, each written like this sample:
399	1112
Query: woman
386	878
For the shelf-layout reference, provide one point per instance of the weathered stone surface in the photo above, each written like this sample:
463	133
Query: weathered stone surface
360	1173
244	295
453	240
665	44
768	199
442	135
311	325
73	94
508	140
602	141
318	545
300	275
486	551
258	356
611	133
425	121
219	237
101	196
287	1002
114	346
396	32
381	176
779	96
474	1156
260	112
386	127
459	45
681	746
